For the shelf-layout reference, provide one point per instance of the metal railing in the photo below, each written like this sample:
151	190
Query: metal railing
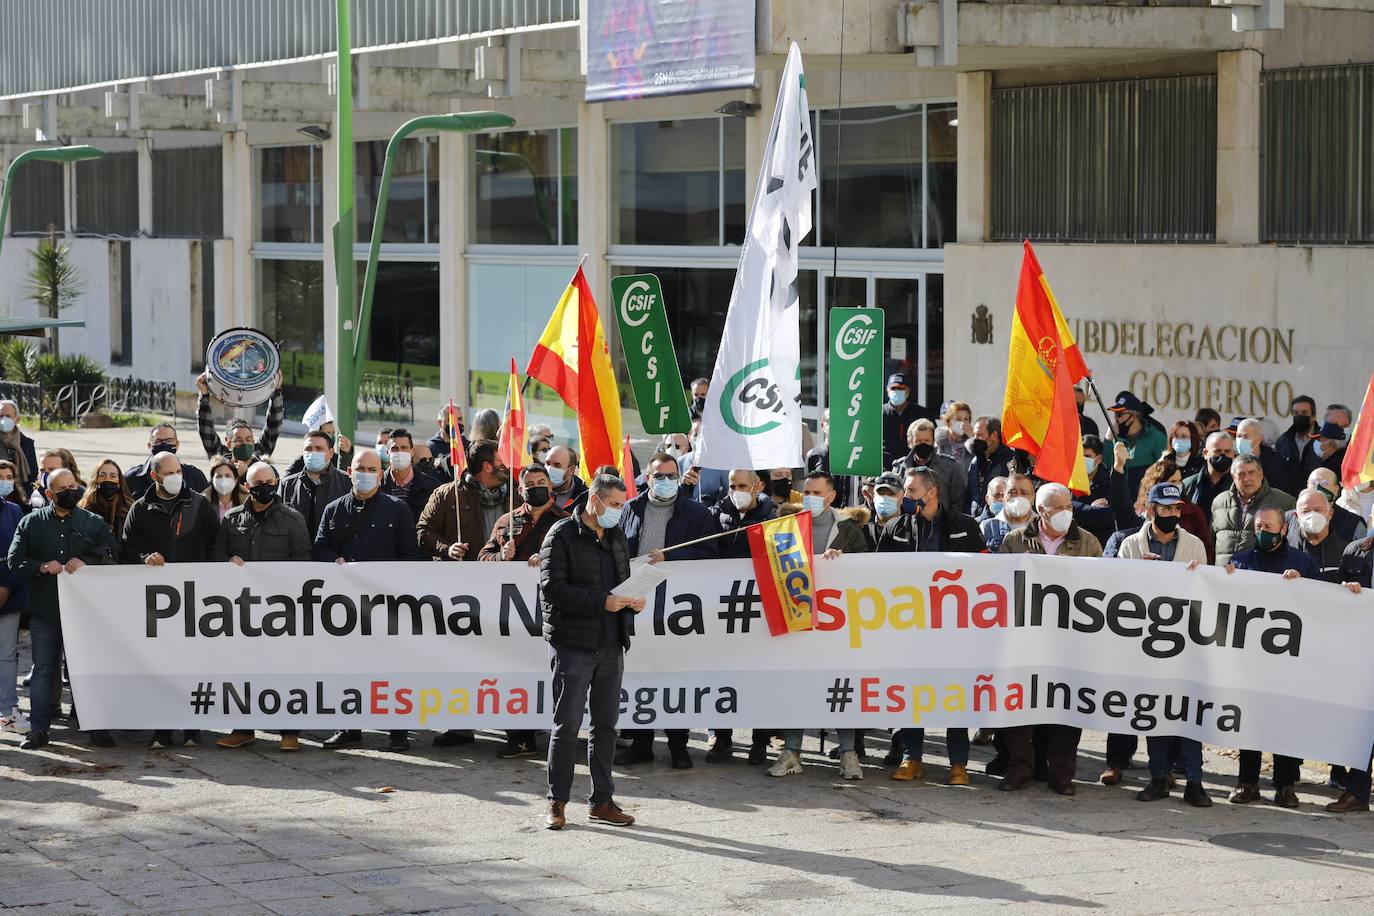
27	395
389	397
60	45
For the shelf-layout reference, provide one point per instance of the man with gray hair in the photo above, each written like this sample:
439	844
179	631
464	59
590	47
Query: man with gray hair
1234	511
1250	441
18	449
583	558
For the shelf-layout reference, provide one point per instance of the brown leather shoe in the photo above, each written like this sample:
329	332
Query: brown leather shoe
1111	776
289	744
1346	804
1286	797
608	812
555	820
237	739
1244	794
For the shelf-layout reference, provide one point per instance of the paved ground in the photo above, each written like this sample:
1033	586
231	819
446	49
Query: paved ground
255	831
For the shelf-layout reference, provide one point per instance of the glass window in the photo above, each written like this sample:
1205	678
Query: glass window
875	156
188	193
36	199
935	340
107	195
403	343
942	137
291	187
408	206
526	187
291	312
669	187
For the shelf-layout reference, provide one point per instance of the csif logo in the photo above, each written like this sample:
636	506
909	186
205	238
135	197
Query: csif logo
858	332
751	388
636	304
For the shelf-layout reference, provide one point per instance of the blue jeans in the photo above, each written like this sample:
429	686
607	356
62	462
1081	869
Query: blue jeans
1165	750
9	662
584	680
792	739
914	744
46	638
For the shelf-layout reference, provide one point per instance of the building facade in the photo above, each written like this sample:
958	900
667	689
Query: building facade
1197	180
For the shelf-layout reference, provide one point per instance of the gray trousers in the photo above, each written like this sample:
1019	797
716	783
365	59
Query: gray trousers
584	680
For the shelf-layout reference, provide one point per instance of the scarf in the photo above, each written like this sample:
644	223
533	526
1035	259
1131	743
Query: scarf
13	440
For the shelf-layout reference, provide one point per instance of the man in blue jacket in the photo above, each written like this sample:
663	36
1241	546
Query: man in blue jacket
1271	554
662	516
366	525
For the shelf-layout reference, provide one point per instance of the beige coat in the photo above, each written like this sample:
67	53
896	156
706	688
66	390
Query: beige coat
1190	546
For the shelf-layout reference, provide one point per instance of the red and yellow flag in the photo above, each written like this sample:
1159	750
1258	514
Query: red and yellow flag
781	551
1039	414
572	358
1358	466
457	456
627	468
512	445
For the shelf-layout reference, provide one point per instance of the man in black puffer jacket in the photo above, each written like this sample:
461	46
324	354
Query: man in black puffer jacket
582	559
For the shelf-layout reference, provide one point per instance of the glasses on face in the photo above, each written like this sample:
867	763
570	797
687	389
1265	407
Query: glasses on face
663	476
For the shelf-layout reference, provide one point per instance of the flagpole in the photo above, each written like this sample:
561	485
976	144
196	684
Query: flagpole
1092	386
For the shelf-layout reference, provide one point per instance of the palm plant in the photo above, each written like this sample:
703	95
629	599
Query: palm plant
54	282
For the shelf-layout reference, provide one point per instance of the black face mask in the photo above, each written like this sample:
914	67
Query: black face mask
1301	423
107	489
780	489
1220	463
980	447
160	447
1166	523
67	499
699	405
243	452
923	452
1124	425
536	497
424	465
263	493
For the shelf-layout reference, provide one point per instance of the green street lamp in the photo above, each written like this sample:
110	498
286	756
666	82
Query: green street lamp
43	154
351	370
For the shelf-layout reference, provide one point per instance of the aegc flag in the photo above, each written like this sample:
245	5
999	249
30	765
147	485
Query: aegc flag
753	413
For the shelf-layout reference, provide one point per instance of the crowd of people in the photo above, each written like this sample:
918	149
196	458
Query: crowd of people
1243	494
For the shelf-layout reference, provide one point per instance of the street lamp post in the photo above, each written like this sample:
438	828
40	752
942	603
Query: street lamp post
43	154
350	365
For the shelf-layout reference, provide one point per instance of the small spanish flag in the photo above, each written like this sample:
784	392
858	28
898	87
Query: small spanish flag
781	550
627	471
512	450
1358	466
457	457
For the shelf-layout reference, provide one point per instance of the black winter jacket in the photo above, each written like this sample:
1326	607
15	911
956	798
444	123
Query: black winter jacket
279	535
296	492
958	534
728	519
572	591
182	530
690	520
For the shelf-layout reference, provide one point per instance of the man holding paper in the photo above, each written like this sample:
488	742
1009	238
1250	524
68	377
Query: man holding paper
582	560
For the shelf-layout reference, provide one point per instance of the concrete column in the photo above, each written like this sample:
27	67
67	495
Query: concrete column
329	215
1238	146
238	228
68	198
594	203
145	185
974	183
455	220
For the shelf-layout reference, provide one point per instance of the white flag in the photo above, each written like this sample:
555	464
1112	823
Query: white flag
317	414
753	411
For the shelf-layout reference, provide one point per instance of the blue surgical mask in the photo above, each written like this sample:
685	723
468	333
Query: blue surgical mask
609	518
365	481
1089	464
384	453
1244	447
995	506
886	505
813	504
664	489
896	398
1183	446
557	476
316	461
6	488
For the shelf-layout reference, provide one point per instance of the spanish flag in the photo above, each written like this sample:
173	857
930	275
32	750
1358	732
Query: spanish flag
783	567
457	456
572	358
1358	466
512	446
627	467
1039	414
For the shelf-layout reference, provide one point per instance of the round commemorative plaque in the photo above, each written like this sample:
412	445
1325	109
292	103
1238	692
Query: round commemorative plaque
242	367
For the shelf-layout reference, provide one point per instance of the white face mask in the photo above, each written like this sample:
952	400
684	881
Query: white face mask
1312	522
959	428
542	456
172	484
400	460
673	450
1017	507
223	485
741	499
6	424
1058	521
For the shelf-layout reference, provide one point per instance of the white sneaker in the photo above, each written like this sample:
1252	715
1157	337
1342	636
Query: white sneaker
787	764
15	722
849	765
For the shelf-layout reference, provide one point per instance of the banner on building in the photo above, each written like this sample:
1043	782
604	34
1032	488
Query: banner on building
639	48
649	354
753	413
856	391
1248	660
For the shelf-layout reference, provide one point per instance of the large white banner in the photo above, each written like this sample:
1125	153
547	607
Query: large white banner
1249	660
753	412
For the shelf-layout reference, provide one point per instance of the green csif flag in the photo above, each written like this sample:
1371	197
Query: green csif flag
856	391
649	354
